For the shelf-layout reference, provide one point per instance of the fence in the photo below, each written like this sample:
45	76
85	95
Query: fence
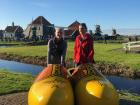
129	45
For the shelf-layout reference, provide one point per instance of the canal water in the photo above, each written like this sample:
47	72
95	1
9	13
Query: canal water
120	83
20	67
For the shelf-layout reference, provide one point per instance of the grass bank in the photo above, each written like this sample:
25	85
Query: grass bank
12	43
11	82
127	98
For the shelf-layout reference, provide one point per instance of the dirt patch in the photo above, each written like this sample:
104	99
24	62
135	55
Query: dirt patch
117	69
22	99
14	99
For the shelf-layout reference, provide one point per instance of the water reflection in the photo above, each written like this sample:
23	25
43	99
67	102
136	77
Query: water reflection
122	83
20	67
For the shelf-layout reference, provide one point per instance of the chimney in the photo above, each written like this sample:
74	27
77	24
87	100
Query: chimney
12	24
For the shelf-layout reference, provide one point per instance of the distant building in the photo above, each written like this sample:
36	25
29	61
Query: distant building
1	34
71	28
74	26
13	31
39	28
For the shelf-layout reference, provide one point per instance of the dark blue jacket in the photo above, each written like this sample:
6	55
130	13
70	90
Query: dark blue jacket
56	51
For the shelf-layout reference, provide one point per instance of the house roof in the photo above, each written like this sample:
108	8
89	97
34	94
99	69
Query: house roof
41	20
12	28
76	23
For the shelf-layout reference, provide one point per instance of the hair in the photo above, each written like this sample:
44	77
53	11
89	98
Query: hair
60	28
83	25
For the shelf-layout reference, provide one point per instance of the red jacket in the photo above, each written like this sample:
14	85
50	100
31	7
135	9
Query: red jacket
83	49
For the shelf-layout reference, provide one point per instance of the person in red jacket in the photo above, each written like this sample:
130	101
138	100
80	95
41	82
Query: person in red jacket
83	47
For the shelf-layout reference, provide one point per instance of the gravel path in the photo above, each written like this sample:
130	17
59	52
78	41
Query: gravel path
21	99
14	99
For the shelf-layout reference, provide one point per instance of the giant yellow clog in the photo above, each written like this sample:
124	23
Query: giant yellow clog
51	88
92	88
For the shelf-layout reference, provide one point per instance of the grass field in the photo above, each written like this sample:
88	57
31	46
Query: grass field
26	50
14	82
108	53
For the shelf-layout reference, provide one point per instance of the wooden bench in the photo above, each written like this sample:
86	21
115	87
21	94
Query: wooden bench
129	45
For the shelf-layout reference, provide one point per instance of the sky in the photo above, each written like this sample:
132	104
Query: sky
119	14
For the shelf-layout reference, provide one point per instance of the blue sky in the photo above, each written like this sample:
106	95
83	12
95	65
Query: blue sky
107	13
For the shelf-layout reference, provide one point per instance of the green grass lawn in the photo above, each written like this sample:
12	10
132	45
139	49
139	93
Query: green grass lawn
111	53
14	82
26	50
108	53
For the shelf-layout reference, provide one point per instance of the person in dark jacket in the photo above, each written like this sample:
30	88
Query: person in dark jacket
83	47
57	47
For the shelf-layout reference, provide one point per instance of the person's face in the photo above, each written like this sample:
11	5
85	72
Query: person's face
82	30
58	33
